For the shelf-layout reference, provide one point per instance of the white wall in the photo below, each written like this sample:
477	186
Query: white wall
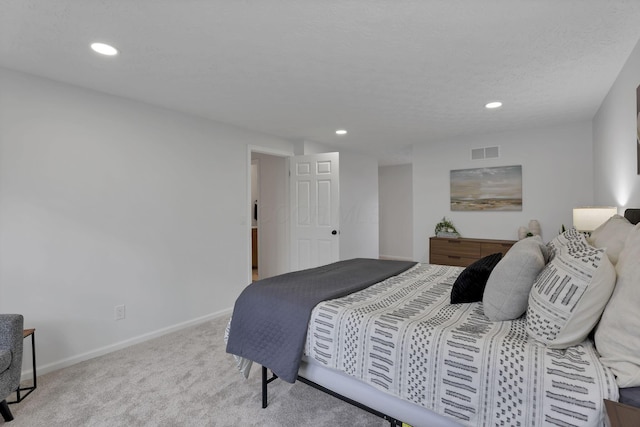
396	211
556	172
310	147
614	138
105	201
358	206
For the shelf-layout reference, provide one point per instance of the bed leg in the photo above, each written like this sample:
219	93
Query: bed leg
264	387
266	381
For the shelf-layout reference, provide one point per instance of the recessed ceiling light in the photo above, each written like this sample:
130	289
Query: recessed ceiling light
104	49
494	104
341	132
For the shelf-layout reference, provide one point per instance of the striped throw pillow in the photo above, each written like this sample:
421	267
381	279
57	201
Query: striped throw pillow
569	295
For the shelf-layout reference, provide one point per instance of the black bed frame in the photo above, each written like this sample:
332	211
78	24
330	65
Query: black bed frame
266	380
632	215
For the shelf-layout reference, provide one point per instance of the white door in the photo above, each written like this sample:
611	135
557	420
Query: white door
315	210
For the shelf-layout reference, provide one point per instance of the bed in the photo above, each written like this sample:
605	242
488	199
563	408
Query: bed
399	348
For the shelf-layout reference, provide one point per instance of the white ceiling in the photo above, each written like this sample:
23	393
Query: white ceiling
392	72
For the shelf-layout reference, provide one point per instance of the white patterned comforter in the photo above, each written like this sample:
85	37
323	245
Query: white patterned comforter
402	336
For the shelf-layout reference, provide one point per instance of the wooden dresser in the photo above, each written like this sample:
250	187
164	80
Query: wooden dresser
463	251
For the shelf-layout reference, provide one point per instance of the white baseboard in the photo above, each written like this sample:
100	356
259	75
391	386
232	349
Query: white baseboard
395	258
44	369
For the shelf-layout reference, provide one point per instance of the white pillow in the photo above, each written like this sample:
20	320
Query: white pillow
611	235
507	292
618	334
569	295
572	239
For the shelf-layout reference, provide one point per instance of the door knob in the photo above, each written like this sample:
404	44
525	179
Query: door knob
334	232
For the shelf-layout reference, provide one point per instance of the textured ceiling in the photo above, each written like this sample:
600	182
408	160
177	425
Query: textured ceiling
394	73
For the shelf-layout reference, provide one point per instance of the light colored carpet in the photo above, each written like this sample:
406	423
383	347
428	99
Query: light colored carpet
181	379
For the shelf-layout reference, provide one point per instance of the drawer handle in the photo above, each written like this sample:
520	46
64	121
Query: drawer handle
454	242
454	257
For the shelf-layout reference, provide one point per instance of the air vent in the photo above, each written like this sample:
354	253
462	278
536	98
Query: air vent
477	154
485	153
491	152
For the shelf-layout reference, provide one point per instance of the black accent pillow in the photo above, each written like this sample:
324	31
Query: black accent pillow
469	286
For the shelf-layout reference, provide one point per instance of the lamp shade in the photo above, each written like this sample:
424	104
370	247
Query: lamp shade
591	217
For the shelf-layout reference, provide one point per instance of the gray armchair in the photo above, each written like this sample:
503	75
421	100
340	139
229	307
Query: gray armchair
10	358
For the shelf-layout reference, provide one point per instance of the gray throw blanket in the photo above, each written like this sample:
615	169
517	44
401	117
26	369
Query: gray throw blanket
270	317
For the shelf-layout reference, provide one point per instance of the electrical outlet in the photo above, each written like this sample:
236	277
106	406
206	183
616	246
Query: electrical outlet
119	312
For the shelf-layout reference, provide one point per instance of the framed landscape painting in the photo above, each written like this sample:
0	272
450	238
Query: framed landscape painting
487	189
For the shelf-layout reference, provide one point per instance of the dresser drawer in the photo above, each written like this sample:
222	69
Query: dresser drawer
488	248
455	247
464	251
451	260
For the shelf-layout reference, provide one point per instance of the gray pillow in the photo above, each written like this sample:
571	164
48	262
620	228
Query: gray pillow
507	292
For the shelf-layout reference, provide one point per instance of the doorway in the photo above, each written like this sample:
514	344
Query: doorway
269	211
271	206
255	197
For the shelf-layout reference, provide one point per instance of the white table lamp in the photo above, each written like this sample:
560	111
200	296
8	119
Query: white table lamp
588	218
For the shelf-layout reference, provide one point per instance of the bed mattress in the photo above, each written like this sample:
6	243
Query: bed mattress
404	338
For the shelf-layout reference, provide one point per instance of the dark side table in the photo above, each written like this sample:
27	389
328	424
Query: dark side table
19	395
621	415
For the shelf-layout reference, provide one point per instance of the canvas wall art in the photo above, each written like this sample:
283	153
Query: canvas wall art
487	189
